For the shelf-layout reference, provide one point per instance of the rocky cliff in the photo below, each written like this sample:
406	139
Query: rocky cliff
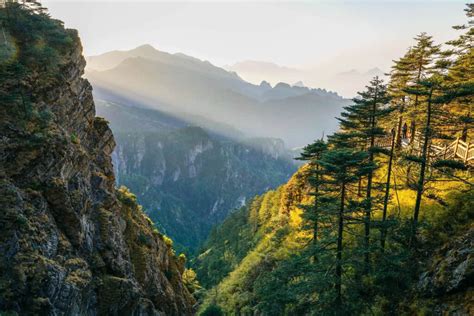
70	242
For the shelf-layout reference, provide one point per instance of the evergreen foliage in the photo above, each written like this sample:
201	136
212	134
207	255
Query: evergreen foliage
357	227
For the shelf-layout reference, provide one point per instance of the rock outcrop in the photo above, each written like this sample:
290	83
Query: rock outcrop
70	242
446	285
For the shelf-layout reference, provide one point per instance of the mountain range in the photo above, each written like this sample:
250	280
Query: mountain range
345	82
183	85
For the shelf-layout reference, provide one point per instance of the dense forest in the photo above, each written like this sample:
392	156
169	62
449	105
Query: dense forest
379	219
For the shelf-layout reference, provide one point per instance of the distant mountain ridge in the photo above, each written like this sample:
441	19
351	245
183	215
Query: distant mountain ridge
345	82
177	83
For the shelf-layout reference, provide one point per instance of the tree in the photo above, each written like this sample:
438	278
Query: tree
426	89
360	128
342	167
312	153
399	79
459	65
383	231
419	64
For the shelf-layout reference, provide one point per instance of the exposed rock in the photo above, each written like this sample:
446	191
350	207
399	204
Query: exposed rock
188	179
70	243
448	281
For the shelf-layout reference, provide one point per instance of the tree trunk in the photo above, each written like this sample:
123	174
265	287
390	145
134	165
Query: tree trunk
387	195
413	124
424	155
339	248
368	209
400	124
316	215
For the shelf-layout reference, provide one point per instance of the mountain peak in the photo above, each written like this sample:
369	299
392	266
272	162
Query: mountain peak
282	85
376	71
265	84
145	48
299	84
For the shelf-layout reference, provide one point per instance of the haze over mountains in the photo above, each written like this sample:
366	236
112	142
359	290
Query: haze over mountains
346	83
188	178
188	87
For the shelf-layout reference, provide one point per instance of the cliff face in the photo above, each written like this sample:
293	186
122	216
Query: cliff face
70	243
186	177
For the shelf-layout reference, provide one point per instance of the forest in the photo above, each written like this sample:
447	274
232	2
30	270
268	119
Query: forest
357	226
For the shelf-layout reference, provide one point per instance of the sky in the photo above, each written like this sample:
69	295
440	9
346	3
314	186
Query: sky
318	35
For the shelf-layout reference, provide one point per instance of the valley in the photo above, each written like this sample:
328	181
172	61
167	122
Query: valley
190	178
143	182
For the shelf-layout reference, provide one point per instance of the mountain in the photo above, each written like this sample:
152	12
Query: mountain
345	82
190	178
256	71
70	242
299	84
179	84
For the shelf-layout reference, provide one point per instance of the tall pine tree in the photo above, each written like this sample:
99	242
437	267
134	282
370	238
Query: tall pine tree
360	128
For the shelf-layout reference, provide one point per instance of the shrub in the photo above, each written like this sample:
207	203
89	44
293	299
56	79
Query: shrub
168	241
212	310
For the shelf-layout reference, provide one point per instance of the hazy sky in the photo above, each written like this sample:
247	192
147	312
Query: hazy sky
339	34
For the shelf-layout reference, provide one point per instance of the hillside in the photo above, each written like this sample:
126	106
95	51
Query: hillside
188	178
257	260
70	243
380	219
181	84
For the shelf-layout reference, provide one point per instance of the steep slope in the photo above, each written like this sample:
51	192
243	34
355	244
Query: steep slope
182	84
255	262
70	243
189	178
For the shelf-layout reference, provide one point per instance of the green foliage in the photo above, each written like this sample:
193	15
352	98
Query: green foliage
127	197
325	247
191	282
179	194
39	43
212	310
74	139
168	241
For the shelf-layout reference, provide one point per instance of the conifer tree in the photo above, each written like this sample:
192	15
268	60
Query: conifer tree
425	89
342	168
459	64
383	231
421	57
312	153
360	128
399	79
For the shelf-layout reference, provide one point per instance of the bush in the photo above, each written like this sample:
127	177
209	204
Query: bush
168	241
212	310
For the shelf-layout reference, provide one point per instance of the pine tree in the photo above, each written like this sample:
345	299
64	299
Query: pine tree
360	128
312	153
342	168
383	225
420	65
459	80
399	79
425	89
